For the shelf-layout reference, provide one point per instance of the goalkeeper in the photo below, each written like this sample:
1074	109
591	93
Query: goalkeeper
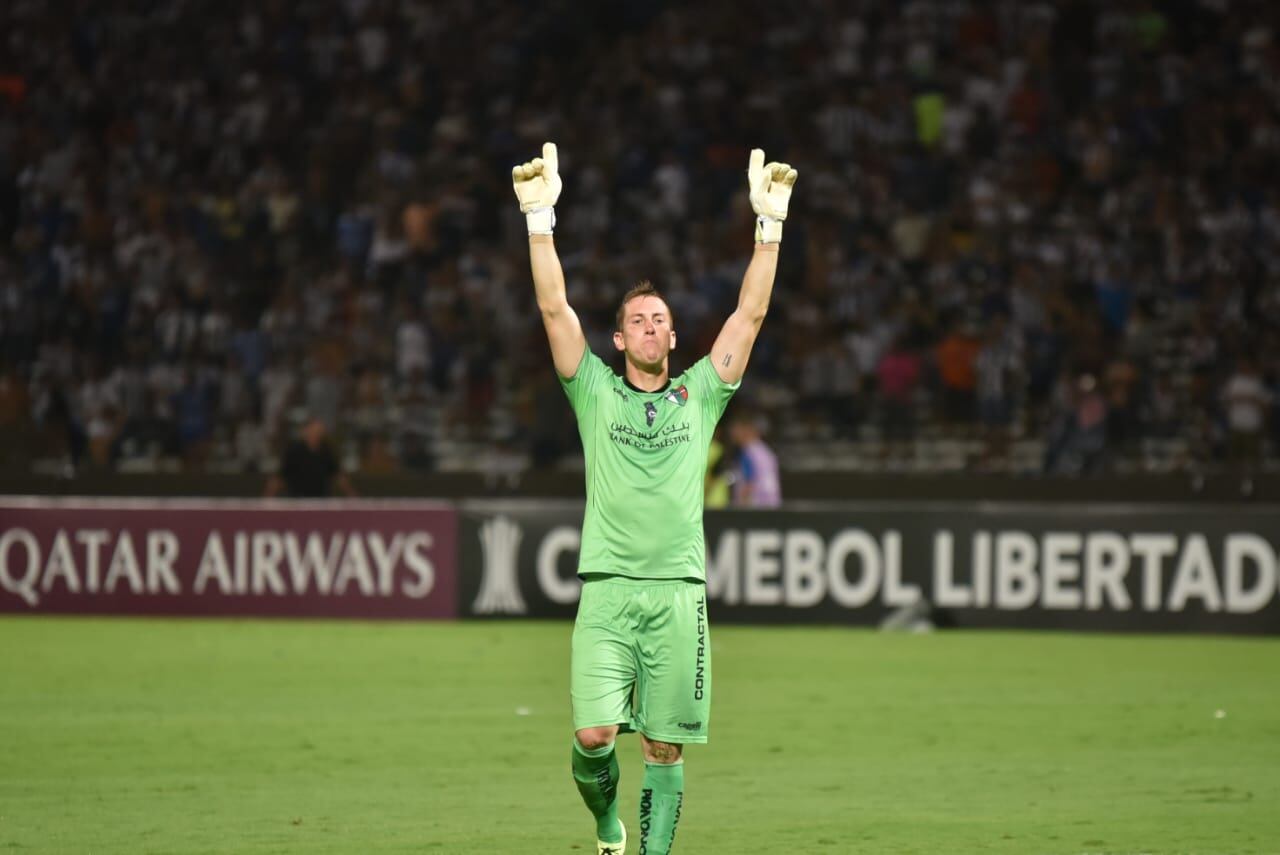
641	651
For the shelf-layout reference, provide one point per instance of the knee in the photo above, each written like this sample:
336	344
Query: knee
593	738
661	752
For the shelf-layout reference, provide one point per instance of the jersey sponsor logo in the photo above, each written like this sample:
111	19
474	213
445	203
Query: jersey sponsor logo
665	437
499	586
700	663
679	395
650	413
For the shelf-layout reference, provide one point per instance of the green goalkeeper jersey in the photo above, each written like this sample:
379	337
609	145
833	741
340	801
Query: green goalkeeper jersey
646	460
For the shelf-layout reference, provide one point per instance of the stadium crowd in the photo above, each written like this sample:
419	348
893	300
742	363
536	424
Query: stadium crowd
1045	220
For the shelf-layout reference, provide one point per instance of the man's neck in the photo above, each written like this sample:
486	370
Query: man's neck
647	381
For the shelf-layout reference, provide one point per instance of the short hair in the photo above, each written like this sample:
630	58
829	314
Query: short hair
643	289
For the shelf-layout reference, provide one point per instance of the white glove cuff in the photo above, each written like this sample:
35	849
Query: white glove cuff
768	230
541	221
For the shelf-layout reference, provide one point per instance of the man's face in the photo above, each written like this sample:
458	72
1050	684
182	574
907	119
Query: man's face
646	336
313	433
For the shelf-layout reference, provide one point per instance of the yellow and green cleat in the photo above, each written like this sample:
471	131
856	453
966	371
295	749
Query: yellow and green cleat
619	848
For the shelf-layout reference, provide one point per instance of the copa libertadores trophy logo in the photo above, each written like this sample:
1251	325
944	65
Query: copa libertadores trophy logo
499	586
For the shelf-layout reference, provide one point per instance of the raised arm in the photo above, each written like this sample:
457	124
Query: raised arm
564	332
770	195
537	185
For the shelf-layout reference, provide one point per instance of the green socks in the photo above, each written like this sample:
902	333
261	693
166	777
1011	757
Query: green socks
596	773
660	799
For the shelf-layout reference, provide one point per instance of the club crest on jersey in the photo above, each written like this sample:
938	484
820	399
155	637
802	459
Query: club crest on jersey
678	396
650	413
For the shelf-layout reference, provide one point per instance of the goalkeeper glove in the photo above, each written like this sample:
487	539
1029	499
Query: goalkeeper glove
538	185
770	185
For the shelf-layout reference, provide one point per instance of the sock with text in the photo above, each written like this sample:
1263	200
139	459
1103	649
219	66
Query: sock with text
596	772
661	798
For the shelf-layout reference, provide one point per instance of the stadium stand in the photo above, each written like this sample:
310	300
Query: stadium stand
1029	237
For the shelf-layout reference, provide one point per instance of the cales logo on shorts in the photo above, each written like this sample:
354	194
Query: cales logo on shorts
700	665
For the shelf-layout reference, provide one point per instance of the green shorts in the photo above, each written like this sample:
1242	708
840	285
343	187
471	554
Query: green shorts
642	658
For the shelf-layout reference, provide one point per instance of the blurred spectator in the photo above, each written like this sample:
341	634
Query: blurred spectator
756	482
416	414
548	421
376	456
1246	399
1160	412
412	347
1123	411
995	372
193	405
1078	444
897	378
250	445
310	469
956	356
718	487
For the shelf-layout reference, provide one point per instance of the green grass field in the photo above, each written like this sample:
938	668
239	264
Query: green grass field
150	736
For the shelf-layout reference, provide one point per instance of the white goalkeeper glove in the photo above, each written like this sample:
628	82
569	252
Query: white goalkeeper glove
538	185
770	185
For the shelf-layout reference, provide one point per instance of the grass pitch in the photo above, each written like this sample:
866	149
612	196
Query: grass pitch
150	736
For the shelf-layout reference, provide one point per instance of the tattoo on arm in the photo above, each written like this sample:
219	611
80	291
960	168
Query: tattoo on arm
727	357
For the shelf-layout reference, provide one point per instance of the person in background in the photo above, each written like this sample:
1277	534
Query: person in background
718	482
897	378
956	358
310	468
995	373
1246	398
756	484
1079	437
